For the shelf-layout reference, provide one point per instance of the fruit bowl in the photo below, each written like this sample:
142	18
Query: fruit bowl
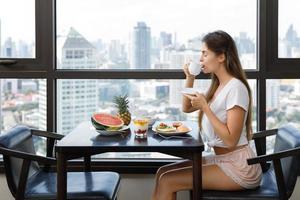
123	129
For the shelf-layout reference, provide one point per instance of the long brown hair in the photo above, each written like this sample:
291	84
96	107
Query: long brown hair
221	42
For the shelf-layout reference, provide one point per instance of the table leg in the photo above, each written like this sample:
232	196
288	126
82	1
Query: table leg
87	163
61	176
197	176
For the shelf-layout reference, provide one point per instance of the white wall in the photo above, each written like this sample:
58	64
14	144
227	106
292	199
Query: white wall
132	187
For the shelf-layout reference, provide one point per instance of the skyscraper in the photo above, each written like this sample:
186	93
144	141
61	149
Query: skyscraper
166	39
116	51
77	99
292	42
272	94
24	50
9	48
141	42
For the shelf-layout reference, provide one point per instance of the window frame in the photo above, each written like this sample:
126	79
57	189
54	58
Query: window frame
43	46
275	63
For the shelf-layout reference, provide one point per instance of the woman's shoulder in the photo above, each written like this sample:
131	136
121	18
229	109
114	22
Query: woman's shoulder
237	87
237	84
237	95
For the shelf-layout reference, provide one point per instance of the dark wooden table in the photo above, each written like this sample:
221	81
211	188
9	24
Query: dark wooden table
84	141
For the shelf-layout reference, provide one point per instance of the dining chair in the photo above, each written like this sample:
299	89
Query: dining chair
279	180
28	179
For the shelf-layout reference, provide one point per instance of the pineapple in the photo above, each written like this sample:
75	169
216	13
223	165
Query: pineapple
122	105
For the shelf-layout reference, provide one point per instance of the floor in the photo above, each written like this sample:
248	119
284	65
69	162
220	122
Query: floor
132	182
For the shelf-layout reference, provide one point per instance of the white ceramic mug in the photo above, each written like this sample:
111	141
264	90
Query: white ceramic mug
194	68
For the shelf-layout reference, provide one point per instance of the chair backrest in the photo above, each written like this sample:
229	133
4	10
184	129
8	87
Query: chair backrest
288	137
18	138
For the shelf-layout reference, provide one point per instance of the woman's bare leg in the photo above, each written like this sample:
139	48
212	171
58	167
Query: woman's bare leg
166	168
182	179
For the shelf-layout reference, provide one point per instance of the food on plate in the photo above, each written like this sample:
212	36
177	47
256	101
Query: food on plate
162	125
165	128
177	124
105	121
183	128
173	127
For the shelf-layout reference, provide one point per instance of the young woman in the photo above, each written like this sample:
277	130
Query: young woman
225	119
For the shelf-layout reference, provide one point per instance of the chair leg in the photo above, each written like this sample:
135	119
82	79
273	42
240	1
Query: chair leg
191	194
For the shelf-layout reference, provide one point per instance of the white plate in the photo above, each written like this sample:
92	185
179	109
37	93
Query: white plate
191	91
170	133
115	132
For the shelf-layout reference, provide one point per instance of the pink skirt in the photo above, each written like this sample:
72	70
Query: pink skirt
234	165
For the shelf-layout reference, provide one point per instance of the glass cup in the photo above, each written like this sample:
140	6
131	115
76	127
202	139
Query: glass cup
140	127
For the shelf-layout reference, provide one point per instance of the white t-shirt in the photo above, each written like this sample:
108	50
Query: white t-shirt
234	93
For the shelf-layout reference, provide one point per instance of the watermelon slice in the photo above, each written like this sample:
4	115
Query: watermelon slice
104	121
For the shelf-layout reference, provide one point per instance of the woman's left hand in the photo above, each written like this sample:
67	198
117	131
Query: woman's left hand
198	101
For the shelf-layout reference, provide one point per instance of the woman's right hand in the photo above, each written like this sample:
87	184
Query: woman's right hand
187	72
189	83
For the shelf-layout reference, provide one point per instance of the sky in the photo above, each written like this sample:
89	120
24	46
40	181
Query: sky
288	13
17	19
115	19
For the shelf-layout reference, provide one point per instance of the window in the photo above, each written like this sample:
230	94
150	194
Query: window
282	105
160	99
23	101
26	41
149	34
17	34
283	101
288	29
138	37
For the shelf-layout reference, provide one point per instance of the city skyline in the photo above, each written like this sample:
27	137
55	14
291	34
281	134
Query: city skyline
136	52
289	47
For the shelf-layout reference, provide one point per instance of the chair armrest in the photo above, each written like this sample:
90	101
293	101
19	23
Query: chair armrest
47	134
274	156
265	133
51	138
27	156
260	144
